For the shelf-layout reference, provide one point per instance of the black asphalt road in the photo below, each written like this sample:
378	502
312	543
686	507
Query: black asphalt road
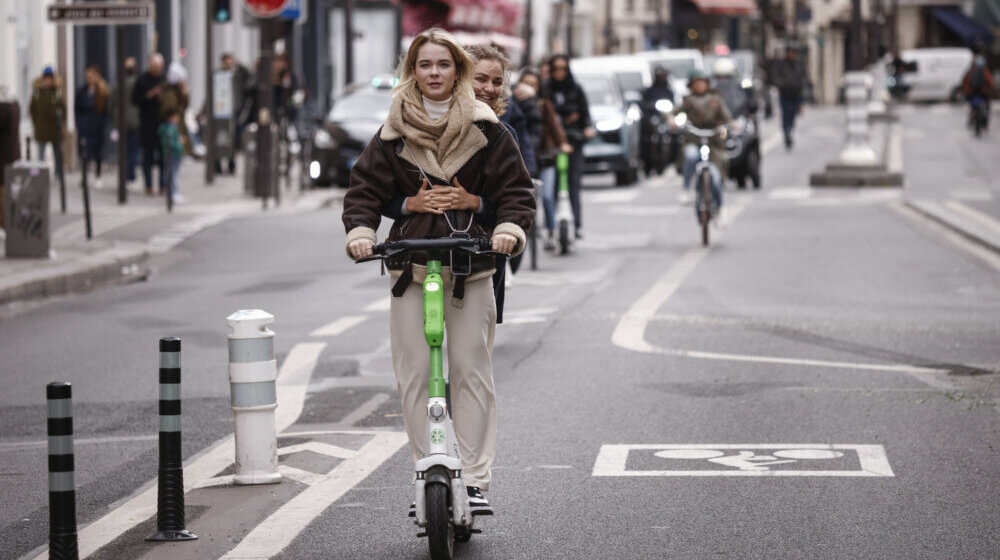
816	323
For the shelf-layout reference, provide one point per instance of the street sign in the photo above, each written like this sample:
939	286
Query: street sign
265	8
102	13
294	10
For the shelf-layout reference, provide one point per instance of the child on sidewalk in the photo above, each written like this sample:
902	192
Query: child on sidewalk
173	149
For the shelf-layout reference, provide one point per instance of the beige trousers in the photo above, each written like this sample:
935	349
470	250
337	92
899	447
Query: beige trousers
468	343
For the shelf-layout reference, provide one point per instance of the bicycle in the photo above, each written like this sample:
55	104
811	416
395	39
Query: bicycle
706	205
441	501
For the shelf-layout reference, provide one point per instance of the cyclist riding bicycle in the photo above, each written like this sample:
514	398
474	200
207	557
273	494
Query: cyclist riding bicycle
705	108
437	135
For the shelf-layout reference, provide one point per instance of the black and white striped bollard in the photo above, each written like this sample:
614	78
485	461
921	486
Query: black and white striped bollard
170	483
62	490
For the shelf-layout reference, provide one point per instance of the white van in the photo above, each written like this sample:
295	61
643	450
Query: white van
935	74
633	73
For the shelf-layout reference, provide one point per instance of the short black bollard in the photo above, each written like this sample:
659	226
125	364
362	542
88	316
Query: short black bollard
170	484
62	490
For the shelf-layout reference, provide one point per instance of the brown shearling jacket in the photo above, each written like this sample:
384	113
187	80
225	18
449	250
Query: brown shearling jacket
496	173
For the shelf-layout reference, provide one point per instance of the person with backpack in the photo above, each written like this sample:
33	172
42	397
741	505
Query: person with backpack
977	85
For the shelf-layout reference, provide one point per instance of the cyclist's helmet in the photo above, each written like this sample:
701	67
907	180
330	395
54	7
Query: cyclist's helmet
697	75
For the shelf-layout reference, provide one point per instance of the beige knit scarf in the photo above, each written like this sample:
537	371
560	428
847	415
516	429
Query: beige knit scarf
443	146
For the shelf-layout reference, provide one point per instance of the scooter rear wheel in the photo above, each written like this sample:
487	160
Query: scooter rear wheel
440	532
563	237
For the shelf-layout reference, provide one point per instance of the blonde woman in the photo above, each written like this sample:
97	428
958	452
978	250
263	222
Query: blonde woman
436	128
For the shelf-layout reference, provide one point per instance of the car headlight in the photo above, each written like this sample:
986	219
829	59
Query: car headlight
607	125
323	140
634	113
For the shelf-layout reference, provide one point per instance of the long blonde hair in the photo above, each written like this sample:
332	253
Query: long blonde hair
463	63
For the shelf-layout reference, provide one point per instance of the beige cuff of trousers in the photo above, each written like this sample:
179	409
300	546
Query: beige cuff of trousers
356	234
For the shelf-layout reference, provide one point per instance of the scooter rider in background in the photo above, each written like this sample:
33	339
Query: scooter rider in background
739	100
660	89
977	85
705	108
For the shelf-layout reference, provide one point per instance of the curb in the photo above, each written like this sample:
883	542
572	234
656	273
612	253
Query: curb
964	221
110	267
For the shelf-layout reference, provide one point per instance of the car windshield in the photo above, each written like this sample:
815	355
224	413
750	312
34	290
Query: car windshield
679	67
363	105
631	81
598	89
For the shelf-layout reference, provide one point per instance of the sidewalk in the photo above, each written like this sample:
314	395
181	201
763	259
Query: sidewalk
125	236
950	175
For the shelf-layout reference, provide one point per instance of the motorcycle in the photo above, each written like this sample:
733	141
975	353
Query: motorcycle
743	150
658	143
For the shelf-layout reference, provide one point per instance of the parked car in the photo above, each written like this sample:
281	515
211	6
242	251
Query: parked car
935	74
352	122
634	74
615	148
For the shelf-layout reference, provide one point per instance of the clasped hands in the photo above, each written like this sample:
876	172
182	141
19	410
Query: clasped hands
438	200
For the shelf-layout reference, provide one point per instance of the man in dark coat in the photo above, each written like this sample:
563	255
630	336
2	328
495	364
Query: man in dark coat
788	76
48	116
146	95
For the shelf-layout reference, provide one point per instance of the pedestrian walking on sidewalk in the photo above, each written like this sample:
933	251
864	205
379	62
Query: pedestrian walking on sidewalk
48	116
572	107
91	111
146	96
130	132
788	75
173	149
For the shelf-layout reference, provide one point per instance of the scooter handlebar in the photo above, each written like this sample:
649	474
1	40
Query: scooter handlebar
476	246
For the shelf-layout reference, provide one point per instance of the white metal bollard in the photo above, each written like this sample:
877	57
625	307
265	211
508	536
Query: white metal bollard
253	372
858	150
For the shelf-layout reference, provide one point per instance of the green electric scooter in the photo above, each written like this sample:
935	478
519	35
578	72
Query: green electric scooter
564	209
442	504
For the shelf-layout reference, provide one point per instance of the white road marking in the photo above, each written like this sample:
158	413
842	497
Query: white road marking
339	326
610	196
293	382
646	210
379	305
630	332
616	241
533	278
790	193
319	447
365	410
523	316
871	460
280	529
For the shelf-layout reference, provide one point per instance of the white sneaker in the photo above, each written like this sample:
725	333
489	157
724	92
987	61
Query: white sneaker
684	197
179	199
722	218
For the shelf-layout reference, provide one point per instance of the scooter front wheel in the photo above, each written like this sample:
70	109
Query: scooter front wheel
440	532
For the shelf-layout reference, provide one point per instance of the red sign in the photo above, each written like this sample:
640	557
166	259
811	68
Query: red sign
265	8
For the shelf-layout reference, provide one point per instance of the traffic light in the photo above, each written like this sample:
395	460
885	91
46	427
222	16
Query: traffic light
222	12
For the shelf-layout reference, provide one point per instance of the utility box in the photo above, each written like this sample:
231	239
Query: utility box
26	209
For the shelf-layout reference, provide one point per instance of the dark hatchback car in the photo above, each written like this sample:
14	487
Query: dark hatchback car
347	129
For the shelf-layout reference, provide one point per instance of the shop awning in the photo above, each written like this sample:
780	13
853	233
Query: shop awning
971	32
727	7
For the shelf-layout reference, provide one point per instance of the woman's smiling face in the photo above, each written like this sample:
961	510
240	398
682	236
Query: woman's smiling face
435	71
487	81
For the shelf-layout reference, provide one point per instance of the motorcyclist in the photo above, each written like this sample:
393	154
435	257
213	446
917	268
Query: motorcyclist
740	100
659	90
977	85
705	108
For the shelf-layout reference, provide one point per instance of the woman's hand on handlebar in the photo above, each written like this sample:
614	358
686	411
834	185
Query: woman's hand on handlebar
361	248
504	243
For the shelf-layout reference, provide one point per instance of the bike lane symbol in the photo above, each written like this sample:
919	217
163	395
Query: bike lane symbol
745	460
